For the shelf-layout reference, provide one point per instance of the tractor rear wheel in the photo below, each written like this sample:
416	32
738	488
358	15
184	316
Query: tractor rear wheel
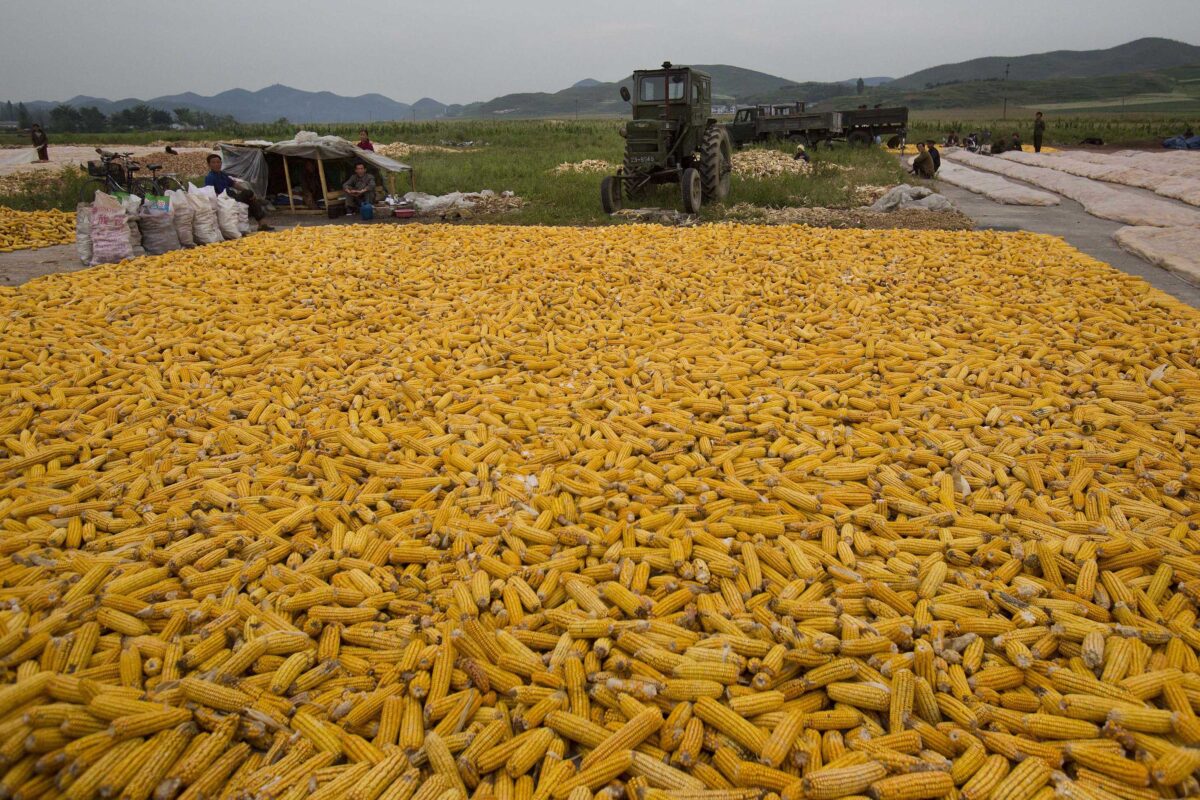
716	163
610	195
693	190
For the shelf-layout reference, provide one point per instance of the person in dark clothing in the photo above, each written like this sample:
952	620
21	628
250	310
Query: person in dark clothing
359	188
223	182
1039	131
952	139
364	141
999	146
40	141
922	166
931	148
1015	144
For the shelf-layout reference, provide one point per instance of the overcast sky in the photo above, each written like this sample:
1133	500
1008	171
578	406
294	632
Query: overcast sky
457	51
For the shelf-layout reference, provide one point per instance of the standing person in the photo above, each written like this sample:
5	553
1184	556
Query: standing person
359	188
1039	131
931	148
922	165
223	182
364	141
40	141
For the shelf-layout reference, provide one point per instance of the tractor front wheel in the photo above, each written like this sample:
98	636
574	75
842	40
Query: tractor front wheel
859	139
693	190
610	195
716	163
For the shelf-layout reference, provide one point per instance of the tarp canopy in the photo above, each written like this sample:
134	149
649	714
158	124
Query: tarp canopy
326	148
260	164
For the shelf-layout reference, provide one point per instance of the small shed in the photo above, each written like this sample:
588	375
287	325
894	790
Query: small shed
305	173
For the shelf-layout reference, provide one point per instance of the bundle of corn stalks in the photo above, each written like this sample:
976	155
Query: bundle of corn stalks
767	163
587	165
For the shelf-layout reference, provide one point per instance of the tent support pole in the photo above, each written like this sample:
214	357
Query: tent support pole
287	177
324	191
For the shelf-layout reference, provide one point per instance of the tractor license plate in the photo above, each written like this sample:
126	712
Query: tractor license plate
647	159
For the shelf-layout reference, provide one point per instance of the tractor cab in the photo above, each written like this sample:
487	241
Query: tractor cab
672	137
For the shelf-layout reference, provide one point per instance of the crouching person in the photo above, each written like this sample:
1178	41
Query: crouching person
224	182
359	189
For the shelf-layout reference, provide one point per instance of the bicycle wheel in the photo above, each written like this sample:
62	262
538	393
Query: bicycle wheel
142	187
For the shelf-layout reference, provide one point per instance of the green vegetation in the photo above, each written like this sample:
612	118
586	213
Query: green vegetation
1061	129
46	190
521	156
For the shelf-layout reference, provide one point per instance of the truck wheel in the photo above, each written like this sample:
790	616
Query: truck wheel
859	139
693	190
716	163
610	195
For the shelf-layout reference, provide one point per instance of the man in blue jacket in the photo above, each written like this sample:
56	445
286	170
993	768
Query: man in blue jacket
224	182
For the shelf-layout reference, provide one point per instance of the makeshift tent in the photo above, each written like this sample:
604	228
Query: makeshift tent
305	173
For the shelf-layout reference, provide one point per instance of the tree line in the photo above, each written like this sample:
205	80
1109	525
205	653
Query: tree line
90	119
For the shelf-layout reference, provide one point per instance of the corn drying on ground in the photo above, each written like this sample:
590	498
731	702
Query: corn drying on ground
725	512
23	230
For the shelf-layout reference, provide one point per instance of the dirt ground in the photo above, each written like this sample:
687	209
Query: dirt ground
75	155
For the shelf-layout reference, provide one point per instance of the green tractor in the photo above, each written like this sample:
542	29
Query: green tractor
672	138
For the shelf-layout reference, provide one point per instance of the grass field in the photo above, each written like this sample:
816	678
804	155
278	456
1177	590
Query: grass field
520	156
1144	127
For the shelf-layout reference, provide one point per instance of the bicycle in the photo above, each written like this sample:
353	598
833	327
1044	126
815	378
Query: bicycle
115	173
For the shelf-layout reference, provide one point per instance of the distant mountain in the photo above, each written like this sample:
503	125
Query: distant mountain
270	104
731	86
1060	76
1142	55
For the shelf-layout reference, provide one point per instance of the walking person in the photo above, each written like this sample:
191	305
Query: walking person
40	141
1039	131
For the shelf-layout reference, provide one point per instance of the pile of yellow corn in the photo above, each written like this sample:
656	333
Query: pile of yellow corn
25	230
515	512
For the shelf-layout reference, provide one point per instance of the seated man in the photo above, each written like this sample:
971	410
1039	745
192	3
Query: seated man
224	182
931	147
922	166
359	188
1015	144
952	139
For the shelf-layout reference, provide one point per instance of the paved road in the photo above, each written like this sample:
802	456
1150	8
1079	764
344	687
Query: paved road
1089	234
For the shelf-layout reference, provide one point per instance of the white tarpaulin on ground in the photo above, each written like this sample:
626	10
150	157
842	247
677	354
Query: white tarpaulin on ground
1099	199
994	187
1115	170
22	156
1174	249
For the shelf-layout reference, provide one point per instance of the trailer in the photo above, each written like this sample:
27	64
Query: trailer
862	125
783	121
